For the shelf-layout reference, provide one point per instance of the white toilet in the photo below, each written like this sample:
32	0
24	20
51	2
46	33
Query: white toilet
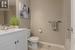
33	42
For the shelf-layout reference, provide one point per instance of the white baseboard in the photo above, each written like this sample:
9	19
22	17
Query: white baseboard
53	45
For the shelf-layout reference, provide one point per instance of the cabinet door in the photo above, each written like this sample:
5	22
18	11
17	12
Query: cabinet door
7	43
21	40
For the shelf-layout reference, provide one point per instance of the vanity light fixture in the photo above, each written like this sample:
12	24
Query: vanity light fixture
4	4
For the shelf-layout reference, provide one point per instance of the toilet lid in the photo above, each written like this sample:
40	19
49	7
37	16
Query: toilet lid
34	39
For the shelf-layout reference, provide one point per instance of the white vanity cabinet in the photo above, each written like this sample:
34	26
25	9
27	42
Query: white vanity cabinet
16	40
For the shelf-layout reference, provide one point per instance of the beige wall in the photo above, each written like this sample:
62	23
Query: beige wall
68	23
7	14
1	17
10	13
43	11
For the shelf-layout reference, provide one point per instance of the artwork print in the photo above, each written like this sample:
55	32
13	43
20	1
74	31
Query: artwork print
24	11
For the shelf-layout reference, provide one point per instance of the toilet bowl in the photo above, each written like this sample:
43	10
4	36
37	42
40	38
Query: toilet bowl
34	39
34	42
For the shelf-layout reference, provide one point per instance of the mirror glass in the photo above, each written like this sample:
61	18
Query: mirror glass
7	13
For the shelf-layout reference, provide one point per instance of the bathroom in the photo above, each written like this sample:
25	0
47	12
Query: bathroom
49	21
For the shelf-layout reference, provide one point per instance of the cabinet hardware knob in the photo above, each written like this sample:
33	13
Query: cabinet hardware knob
15	42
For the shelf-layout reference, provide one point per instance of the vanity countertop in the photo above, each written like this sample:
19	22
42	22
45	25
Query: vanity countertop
4	32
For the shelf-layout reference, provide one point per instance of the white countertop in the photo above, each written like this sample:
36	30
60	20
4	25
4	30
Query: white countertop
3	32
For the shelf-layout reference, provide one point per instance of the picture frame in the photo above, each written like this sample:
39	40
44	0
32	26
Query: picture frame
24	11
